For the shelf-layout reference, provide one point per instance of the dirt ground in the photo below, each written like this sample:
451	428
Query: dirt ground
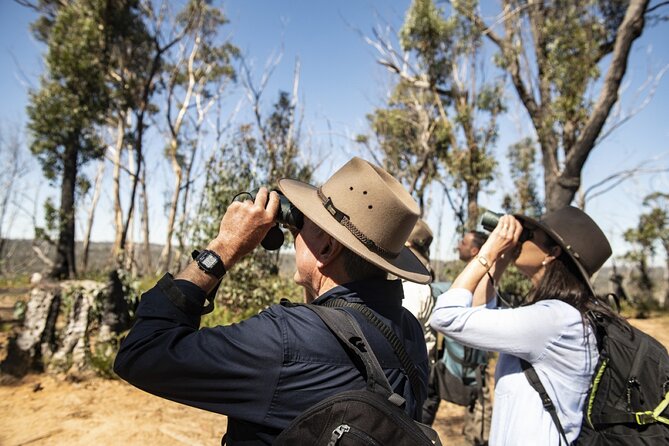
52	410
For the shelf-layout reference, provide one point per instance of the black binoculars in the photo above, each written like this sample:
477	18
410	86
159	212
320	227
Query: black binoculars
489	221
288	215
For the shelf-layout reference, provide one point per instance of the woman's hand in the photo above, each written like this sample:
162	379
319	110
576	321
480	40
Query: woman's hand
502	240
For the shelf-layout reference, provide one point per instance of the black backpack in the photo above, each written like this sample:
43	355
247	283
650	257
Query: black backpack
629	394
370	416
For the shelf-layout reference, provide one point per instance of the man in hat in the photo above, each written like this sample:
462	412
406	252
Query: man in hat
264	371
418	297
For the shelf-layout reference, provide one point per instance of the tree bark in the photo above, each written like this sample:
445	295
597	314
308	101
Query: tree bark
116	189
36	341
64	266
72	352
145	225
91	213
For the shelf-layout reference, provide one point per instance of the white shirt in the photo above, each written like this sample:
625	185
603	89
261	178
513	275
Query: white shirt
549	335
419	301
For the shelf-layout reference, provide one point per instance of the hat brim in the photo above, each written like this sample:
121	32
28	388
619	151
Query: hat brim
560	241
305	198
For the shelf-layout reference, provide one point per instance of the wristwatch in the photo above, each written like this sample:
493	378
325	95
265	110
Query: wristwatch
209	262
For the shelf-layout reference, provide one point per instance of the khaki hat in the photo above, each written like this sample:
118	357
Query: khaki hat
578	235
420	240
368	211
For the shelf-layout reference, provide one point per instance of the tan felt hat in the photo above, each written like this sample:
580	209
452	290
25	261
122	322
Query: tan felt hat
367	210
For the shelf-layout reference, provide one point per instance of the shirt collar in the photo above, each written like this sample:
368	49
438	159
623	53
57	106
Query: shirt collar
372	292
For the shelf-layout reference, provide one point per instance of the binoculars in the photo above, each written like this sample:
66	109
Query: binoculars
288	215
489	221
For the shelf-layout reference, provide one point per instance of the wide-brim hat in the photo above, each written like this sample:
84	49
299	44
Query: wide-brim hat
368	211
578	236
420	240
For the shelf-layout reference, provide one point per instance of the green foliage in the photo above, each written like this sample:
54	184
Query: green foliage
514	286
522	166
102	356
651	232
242	166
51	220
442	124
246	293
413	139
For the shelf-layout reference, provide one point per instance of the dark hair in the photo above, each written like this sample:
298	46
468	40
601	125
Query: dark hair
478	238
563	280
358	268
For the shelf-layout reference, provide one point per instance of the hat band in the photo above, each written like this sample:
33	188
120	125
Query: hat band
345	222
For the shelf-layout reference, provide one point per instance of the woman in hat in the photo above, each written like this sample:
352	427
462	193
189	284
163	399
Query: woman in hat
558	254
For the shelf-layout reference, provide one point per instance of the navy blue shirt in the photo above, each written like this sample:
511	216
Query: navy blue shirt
264	371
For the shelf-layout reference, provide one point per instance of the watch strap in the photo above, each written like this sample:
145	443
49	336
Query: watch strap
203	259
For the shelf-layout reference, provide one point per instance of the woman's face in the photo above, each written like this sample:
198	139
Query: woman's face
532	253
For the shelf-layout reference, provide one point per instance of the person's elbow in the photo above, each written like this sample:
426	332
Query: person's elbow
122	365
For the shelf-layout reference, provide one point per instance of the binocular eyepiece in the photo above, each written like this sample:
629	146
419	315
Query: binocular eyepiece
287	215
489	221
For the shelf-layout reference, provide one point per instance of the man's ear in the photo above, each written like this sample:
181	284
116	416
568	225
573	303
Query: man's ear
473	251
328	251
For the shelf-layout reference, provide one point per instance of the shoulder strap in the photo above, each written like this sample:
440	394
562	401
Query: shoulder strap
347	330
535	382
397	345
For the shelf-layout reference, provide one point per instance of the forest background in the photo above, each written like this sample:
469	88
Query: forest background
128	125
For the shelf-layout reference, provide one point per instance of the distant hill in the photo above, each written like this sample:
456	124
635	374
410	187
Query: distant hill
19	258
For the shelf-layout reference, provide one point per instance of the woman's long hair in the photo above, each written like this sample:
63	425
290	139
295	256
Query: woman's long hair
563	280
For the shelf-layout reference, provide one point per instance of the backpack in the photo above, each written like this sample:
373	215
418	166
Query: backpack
460	371
370	416
629	394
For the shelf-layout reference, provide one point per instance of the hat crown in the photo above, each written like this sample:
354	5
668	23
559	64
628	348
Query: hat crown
580	236
374	202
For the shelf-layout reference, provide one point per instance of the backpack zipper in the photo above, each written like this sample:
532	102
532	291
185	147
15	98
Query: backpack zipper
344	429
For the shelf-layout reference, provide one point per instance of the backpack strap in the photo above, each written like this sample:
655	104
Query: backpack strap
347	330
535	382
398	347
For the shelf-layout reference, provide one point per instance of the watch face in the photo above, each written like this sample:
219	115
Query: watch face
208	261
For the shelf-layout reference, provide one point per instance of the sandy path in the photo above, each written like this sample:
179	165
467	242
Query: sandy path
49	410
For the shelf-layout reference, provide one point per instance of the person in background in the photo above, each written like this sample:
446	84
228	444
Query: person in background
477	413
264	371
418	297
558	254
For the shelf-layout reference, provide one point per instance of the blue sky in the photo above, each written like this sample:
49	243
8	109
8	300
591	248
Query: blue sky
341	83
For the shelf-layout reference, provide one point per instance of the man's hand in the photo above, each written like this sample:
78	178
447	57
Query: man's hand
244	225
242	228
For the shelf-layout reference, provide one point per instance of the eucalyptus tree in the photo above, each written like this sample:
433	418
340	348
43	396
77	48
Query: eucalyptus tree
566	61
462	104
525	198
196	71
651	232
68	107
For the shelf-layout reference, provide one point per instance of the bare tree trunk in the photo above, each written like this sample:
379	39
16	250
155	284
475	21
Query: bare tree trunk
175	128
116	189
129	254
91	212
145	225
36	342
166	255
64	266
74	347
